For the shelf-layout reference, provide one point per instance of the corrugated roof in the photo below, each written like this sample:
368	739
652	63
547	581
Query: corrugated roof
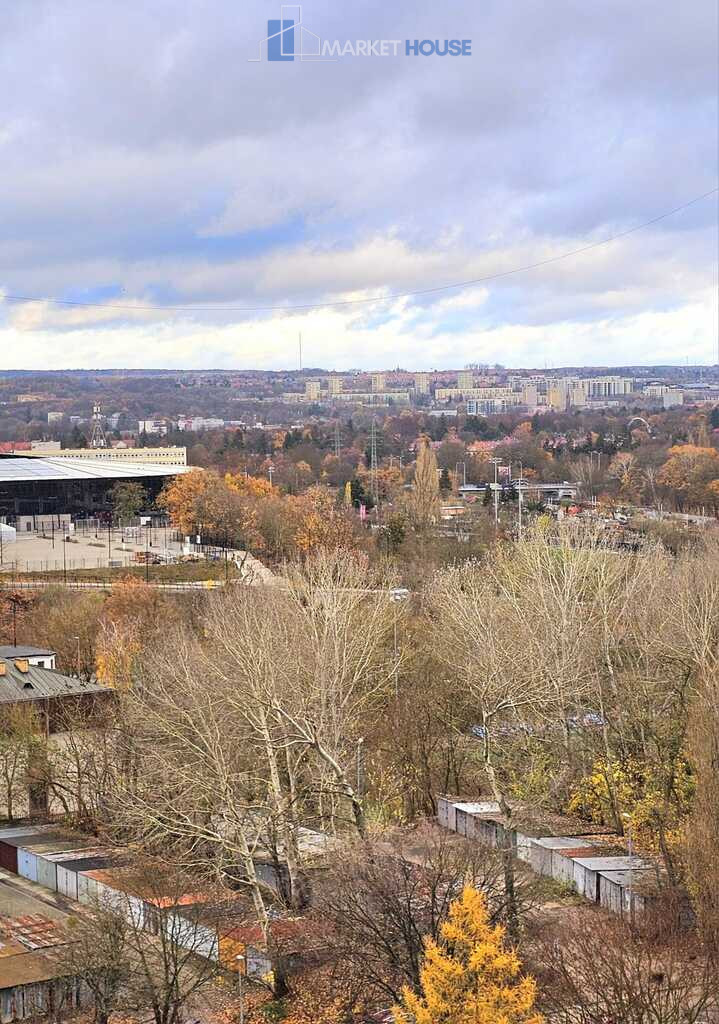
16	469
38	683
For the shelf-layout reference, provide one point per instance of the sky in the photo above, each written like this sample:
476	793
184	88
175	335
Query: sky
147	159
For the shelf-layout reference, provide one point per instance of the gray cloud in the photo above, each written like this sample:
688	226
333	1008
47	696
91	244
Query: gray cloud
140	149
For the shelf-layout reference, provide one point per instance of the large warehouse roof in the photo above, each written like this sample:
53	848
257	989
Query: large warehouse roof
16	469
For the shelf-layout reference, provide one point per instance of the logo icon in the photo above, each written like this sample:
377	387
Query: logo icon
288	38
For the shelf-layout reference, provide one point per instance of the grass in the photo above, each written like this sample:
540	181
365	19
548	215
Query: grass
182	572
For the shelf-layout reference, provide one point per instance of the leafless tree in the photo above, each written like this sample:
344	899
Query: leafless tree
597	970
381	899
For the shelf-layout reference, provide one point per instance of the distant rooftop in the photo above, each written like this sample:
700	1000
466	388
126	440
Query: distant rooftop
8	651
34	683
17	469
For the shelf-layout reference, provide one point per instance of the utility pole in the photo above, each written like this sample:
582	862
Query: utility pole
496	463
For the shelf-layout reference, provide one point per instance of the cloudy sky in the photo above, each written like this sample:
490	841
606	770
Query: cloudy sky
146	161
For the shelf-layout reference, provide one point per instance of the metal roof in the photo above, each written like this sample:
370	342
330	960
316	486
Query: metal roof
602	864
40	683
562	843
487	807
16	469
57	841
8	651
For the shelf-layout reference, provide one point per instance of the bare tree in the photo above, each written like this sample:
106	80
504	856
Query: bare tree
482	639
425	487
98	955
381	899
597	970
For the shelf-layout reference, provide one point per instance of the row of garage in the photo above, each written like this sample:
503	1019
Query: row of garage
586	862
78	869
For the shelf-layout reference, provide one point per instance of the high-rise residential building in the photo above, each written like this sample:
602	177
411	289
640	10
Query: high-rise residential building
608	387
334	386
465	380
313	390
421	383
378	382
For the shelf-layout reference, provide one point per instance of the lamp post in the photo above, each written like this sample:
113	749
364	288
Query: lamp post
630	849
78	655
496	463
519	500
241	961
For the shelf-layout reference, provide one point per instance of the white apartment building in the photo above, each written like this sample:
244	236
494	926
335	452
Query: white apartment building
156	426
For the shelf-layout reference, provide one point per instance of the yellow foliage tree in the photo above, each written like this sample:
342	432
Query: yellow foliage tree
320	524
471	978
690	472
249	486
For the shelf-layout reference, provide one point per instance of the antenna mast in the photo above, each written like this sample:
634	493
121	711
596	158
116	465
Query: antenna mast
373	462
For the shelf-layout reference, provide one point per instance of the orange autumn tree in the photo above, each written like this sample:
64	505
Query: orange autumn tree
130	618
320	525
250	486
689	473
470	978
205	503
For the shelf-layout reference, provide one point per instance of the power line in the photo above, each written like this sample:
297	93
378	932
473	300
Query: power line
371	299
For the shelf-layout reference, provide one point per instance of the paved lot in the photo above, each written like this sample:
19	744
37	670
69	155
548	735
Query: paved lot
33	552
20	897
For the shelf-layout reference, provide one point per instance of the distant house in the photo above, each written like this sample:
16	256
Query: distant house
41	657
28	678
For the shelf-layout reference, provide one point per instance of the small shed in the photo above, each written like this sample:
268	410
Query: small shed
542	851
587	872
477	820
8	846
563	861
446	813
29	850
617	888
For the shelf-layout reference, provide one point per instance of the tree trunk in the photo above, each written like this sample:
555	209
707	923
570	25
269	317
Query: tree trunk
507	848
298	888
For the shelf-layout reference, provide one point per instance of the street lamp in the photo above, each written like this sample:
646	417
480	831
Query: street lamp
241	963
630	849
496	462
78	655
519	501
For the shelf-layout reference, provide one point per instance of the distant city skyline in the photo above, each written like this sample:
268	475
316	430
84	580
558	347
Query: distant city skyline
146	162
